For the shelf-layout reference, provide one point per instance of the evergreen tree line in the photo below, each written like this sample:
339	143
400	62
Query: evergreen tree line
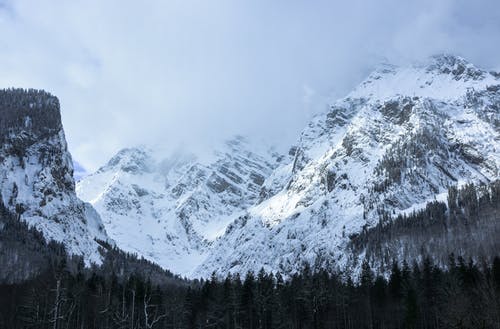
465	295
17	104
43	287
26	117
467	225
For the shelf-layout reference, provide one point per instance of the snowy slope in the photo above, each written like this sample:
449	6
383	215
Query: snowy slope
399	139
169	208
36	173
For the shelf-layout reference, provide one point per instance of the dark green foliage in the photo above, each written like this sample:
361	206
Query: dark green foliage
42	287
67	295
22	111
470	227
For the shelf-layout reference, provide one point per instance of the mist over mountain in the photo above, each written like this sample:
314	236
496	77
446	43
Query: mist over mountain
170	209
197	73
401	139
404	168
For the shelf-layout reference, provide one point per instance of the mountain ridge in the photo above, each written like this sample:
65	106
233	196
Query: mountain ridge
400	138
337	152
169	209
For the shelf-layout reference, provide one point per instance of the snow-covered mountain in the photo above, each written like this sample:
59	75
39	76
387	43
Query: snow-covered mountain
403	136
36	173
398	140
170	209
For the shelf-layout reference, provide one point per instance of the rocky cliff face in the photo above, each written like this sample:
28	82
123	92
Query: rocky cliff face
170	209
397	141
36	173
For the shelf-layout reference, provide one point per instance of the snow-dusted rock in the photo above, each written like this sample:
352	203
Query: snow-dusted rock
400	138
36	173
170	209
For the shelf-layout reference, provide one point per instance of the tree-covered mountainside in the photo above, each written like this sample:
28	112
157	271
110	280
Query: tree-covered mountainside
43	286
34	109
466	223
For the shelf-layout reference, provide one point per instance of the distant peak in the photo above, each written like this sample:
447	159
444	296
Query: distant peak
237	141
441	63
243	144
443	76
133	160
448	59
454	65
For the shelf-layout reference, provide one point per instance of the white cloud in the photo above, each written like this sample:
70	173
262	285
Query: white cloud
194	72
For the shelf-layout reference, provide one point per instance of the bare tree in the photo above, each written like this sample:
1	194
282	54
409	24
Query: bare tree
151	312
133	308
120	317
56	316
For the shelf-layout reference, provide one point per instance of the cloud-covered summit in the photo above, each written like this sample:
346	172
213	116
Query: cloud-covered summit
196	72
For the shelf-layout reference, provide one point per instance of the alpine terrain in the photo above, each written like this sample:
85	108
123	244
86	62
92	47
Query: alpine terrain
399	140
170	210
36	174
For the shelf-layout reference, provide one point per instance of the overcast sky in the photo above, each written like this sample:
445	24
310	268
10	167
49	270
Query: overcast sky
196	72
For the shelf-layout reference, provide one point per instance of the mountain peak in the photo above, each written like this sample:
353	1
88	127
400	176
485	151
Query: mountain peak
455	66
447	59
132	160
176	202
400	139
445	77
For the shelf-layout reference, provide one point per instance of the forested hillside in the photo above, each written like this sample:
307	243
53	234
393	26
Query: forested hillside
465	296
468	224
43	287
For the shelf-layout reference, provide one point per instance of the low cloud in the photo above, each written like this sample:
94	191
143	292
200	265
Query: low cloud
195	72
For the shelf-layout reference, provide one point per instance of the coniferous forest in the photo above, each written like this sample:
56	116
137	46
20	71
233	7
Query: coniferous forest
464	296
43	287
